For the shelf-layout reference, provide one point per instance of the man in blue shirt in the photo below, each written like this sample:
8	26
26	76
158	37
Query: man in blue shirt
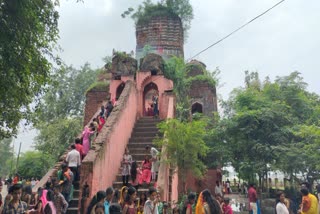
107	202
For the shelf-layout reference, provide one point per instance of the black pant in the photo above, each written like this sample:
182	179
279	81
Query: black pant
125	180
75	173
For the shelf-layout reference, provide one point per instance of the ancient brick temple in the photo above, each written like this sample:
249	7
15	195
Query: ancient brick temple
133	81
163	34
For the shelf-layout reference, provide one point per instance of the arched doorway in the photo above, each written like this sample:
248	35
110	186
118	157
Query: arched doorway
196	108
119	90
149	91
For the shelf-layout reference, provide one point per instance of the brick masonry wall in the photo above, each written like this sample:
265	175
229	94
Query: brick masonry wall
94	100
198	185
204	94
163	34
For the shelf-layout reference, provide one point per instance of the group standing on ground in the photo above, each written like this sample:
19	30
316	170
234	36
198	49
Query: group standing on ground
47	201
54	198
133	203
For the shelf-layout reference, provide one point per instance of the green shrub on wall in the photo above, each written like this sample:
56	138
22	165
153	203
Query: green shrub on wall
198	67
200	78
98	86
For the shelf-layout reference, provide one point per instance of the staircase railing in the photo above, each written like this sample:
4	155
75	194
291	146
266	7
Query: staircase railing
167	183
53	172
101	165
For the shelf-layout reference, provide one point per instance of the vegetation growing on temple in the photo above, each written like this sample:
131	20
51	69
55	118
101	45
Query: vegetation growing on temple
169	8
177	70
98	86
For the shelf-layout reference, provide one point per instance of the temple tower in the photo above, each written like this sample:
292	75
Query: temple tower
162	35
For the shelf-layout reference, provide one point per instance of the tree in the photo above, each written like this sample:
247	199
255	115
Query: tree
34	164
271	126
59	116
56	136
183	9
175	69
65	96
220	155
185	146
6	154
28	34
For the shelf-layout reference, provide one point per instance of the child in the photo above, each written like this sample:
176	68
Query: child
226	206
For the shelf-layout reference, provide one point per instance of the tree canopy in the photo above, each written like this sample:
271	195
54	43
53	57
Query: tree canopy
6	154
28	34
60	113
270	125
34	164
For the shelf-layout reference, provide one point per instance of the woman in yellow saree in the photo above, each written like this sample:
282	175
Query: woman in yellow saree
206	204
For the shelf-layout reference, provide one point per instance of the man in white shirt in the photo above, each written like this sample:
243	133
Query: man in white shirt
155	161
218	189
73	160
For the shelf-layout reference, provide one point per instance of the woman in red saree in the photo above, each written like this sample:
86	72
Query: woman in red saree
146	171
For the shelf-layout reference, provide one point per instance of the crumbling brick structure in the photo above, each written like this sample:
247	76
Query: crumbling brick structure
163	35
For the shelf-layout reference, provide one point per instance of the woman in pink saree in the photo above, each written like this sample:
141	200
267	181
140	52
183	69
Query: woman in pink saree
87	132
146	171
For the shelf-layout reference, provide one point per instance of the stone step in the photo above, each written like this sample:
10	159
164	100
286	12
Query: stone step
74	202
137	150
72	210
151	122
141	139
76	193
138	144
76	185
146	125
149	119
145	129
140	156
141	147
145	134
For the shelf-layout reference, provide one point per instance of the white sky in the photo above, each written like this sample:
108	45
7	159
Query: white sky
284	40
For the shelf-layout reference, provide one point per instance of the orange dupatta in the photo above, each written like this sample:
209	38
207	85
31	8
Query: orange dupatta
199	206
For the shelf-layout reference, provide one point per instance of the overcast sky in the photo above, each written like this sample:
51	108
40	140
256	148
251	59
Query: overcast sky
284	40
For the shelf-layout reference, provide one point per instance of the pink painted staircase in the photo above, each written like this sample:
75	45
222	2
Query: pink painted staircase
144	132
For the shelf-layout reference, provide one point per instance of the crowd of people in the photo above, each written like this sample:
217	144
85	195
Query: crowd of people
21	180
127	201
56	195
21	200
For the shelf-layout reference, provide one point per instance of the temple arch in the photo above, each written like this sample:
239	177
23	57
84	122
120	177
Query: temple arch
150	90
119	90
196	108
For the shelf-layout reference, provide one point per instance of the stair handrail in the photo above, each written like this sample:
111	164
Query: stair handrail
53	171
107	145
